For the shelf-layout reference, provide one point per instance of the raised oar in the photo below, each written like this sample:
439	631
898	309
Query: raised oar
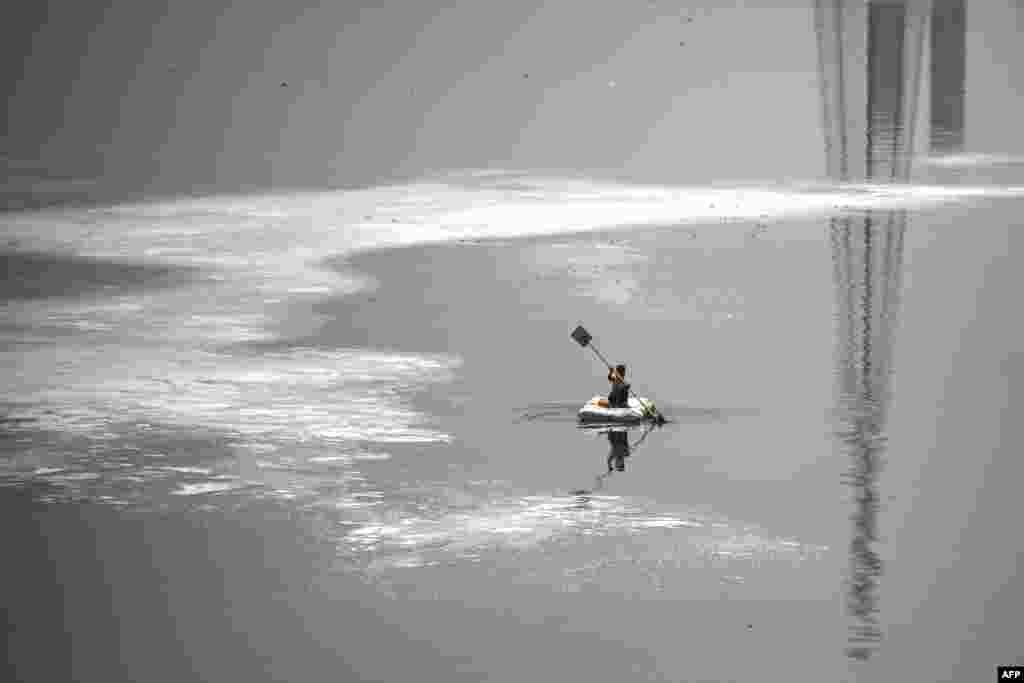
585	339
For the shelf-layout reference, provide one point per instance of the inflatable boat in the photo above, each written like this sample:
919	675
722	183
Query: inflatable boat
597	410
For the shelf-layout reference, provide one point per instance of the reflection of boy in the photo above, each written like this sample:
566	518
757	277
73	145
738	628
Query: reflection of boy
619	441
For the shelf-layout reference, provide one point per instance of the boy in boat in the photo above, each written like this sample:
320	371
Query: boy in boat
618	397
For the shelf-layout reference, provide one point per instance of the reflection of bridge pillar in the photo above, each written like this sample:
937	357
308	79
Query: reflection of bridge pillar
871	57
947	75
867	254
870	63
842	54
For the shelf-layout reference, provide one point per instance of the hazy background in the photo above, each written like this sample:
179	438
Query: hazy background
174	96
119	97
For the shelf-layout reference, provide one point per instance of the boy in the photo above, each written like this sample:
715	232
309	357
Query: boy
618	397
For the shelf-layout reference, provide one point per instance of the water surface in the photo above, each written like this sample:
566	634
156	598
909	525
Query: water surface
323	435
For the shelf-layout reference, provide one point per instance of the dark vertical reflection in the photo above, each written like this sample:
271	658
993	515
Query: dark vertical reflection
948	75
828	23
870	66
867	254
885	88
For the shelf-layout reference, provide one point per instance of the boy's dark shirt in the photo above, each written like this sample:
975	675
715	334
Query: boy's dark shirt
619	396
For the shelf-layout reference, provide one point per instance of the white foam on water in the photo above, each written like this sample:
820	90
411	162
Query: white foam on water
204	488
970	160
528	522
186	470
349	457
288	396
331	458
283	235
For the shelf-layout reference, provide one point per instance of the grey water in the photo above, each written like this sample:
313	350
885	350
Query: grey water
331	436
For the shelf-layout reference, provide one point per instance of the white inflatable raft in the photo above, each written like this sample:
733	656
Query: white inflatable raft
596	410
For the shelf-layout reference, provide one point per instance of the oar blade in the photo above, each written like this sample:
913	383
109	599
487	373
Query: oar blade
581	336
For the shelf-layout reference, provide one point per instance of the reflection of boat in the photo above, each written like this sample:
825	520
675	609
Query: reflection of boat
597	410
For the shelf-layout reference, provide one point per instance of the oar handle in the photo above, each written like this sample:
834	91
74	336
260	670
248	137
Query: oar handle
599	355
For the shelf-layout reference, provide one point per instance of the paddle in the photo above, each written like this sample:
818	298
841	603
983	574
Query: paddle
585	339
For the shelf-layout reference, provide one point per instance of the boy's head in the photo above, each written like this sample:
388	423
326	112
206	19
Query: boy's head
621	370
